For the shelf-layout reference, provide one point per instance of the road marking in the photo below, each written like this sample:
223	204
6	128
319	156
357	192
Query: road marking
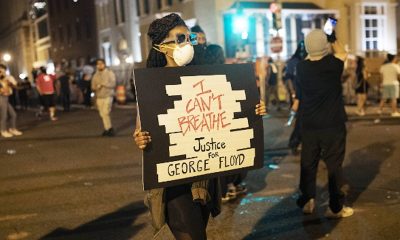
17	217
275	192
17	236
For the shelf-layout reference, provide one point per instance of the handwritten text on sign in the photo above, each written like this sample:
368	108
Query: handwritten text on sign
201	127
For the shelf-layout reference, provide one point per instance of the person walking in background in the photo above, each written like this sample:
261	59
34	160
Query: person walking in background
65	80
361	86
45	86
290	70
23	87
87	74
291	79
214	54
390	72
6	110
272	85
103	85
201	46
323	122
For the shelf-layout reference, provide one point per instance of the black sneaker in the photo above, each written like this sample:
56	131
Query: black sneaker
110	132
104	133
240	189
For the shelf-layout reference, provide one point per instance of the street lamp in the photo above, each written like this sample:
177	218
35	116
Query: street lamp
7	57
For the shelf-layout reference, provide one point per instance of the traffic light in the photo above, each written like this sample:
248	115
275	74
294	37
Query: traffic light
240	24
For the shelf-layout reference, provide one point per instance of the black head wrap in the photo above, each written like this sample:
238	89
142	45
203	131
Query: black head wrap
160	28
158	31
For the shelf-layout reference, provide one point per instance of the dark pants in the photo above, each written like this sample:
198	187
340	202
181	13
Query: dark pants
23	98
295	137
66	102
186	219
236	179
86	91
271	90
329	145
12	99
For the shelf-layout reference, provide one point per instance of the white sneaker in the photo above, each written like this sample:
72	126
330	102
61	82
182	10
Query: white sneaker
14	132
395	114
6	134
360	113
345	212
309	207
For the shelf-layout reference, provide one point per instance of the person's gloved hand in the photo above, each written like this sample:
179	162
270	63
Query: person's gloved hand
332	37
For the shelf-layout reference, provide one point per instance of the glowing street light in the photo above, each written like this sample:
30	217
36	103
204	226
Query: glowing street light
7	57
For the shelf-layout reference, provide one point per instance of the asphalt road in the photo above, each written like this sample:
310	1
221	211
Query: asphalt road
61	180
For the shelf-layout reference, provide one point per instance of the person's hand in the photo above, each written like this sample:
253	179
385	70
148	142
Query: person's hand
261	109
141	138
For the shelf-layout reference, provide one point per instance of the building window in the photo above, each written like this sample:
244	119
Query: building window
107	51
169	2
372	26
104	15
159	4
43	30
138	7
116	12
122	10
146	7
119	11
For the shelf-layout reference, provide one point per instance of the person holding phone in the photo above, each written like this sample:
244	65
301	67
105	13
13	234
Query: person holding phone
323	121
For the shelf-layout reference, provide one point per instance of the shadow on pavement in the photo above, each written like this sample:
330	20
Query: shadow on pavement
271	158
364	166
118	225
286	221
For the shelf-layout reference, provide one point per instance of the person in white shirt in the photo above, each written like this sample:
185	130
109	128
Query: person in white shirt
390	73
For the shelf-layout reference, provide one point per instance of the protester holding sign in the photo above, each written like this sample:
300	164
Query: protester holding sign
183	209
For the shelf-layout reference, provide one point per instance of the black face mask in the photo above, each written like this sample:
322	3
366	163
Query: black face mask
200	47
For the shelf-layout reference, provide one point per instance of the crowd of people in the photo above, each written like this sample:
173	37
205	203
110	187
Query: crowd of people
313	78
53	88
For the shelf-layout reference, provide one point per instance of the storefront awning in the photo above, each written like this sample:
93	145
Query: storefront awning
266	5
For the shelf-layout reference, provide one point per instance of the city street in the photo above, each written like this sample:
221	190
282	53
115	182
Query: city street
62	180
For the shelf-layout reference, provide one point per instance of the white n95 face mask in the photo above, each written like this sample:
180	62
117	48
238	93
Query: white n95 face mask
183	55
